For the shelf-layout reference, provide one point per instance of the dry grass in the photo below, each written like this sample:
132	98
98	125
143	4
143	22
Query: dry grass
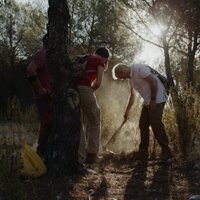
16	123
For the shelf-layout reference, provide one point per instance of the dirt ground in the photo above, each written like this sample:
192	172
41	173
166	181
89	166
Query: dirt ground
121	177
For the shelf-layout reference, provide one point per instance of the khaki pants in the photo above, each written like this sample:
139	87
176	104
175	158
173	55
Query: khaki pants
89	141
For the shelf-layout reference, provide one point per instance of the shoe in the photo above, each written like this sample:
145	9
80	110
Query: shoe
91	158
140	155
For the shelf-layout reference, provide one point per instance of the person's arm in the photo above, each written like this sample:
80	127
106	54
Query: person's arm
96	84
33	78
130	104
153	86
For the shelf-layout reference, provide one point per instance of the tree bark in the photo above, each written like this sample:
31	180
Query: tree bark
62	154
192	48
179	106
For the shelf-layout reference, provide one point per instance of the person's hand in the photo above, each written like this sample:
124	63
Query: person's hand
152	105
126	115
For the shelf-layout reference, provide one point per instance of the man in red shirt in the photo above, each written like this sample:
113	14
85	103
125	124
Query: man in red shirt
38	75
87	84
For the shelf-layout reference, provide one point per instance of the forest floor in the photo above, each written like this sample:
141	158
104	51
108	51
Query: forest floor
116	177
121	177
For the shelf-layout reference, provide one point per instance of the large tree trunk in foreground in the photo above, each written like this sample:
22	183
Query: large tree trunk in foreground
63	143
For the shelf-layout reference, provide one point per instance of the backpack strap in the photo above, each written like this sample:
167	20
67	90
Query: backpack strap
162	79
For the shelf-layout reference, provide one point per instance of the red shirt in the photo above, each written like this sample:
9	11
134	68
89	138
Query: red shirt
39	60
93	62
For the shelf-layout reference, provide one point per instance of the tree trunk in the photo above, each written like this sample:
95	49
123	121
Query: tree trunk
180	111
192	48
62	154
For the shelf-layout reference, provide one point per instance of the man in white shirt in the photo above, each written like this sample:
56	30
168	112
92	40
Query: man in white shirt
154	95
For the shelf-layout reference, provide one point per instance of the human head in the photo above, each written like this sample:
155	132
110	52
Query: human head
103	52
121	71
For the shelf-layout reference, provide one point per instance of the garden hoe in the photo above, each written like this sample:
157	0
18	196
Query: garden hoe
114	135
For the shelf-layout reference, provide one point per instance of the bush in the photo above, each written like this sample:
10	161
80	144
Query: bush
11	186
16	122
183	122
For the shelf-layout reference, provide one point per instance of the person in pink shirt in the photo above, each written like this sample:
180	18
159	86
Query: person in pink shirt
38	75
96	64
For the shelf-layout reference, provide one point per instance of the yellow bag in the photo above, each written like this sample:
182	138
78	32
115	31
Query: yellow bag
33	166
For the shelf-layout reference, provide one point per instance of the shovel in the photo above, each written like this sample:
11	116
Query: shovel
114	135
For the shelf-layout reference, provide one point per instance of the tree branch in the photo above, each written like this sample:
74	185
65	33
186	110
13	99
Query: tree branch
143	22
141	37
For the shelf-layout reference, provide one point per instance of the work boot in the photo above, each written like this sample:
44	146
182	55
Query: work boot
91	158
141	155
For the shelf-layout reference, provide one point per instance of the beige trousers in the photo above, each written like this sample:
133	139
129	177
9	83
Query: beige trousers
90	137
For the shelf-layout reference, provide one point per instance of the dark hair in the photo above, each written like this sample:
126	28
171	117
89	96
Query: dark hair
103	51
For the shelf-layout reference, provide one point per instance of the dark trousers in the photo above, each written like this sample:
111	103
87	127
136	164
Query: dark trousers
154	119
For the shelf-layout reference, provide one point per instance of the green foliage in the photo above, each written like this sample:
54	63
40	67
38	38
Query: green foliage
18	24
186	135
36	21
22	27
95	23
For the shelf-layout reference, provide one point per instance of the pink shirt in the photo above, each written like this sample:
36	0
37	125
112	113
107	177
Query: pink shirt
92	65
39	60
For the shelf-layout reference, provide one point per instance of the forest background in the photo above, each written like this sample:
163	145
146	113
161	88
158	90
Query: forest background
162	33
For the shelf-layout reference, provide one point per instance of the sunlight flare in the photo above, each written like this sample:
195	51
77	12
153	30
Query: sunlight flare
150	55
157	30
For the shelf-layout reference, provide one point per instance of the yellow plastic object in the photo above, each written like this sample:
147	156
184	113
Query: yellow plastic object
33	166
